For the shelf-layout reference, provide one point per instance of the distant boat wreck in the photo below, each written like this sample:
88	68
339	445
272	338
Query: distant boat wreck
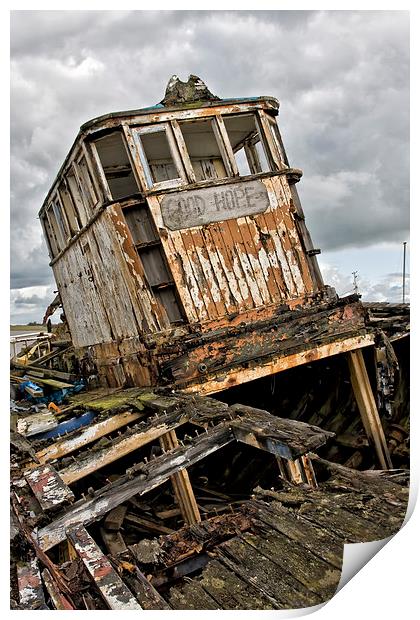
210	422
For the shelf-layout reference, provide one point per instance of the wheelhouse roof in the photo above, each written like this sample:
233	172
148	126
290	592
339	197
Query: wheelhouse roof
98	122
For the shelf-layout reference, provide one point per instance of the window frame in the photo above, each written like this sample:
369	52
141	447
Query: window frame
136	133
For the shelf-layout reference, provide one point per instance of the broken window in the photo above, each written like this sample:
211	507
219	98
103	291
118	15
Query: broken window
50	236
76	196
150	251
60	219
277	139
204	149
159	157
69	208
247	145
87	188
116	165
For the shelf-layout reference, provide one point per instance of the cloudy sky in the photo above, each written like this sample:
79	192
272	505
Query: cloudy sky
342	78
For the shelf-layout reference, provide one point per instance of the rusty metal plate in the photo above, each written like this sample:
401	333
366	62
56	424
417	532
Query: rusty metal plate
213	204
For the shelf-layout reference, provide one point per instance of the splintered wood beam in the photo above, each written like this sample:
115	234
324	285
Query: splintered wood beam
152	475
181	484
58	599
31	594
48	487
235	376
288	439
87	436
111	587
367	407
94	460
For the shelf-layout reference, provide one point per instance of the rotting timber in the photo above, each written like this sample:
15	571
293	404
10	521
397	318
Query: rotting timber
189	284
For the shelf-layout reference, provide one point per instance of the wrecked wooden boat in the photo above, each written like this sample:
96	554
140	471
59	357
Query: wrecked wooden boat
233	399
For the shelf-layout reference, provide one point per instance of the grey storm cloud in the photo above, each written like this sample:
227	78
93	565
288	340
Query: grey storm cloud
342	78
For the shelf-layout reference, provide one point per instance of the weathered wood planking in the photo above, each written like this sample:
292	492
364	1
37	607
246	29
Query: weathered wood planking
121	447
278	363
261	255
48	487
31	594
203	206
181	484
111	587
86	436
154	474
284	438
367	407
58	599
91	273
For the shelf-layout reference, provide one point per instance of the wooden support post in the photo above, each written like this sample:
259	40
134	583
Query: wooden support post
309	471
367	407
181	484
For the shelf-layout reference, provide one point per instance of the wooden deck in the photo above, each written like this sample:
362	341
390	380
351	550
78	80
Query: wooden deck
292	555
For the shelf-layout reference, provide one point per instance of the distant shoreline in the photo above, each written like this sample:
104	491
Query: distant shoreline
28	328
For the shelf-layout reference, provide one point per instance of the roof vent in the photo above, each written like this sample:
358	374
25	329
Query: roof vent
178	92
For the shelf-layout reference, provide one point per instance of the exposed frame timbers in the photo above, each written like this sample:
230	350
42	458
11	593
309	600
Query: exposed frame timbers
285	438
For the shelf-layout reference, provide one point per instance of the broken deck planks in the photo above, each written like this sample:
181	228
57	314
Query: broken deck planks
31	594
277	584
229	590
87	436
48	487
154	474
316	575
317	540
285	438
95	460
112	589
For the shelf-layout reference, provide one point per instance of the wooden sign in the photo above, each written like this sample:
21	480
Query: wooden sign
197	207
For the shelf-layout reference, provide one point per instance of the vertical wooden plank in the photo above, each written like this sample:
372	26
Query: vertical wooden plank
58	599
242	259
225	146
367	407
181	484
180	265
204	278
248	231
183	151
111	587
97	164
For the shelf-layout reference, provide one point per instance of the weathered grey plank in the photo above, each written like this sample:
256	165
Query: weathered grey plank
229	590
275	583
86	436
316	539
154	474
316	575
285	438
112	589
48	487
91	461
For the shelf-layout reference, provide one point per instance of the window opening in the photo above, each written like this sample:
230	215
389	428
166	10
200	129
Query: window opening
86	185
50	236
73	189
68	205
247	146
203	149
277	139
60	218
159	157
150	251
116	165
